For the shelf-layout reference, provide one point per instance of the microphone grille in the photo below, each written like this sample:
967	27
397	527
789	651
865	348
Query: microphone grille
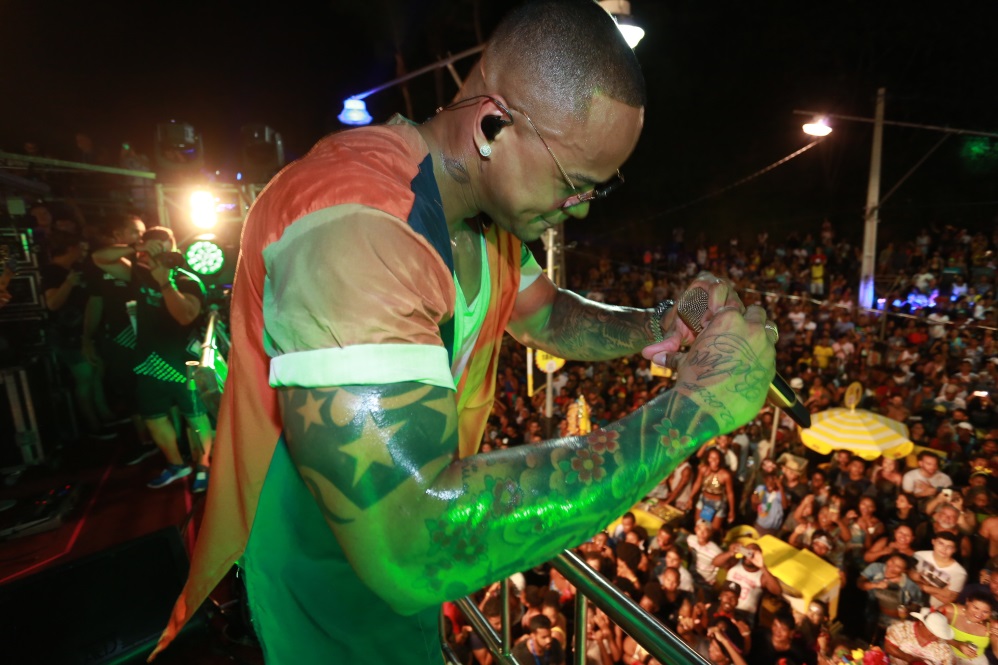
691	308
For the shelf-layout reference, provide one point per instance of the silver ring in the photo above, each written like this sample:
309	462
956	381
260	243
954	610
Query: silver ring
772	332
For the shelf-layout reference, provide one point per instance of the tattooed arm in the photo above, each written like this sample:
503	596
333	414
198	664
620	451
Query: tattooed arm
420	527
570	326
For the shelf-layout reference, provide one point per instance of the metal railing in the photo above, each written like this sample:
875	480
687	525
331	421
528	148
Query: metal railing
209	377
209	373
664	645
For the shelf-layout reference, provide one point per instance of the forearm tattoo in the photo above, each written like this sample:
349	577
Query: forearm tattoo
729	376
587	330
382	460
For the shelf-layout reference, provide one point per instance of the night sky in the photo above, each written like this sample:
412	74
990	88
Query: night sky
723	80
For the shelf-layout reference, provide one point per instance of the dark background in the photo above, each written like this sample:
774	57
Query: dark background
723	79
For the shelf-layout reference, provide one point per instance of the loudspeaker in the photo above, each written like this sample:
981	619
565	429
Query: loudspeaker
179	152
106	608
262	153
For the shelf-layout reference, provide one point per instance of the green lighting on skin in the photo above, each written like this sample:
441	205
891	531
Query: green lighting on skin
205	257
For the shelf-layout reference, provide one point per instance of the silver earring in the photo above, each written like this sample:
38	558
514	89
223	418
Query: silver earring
485	150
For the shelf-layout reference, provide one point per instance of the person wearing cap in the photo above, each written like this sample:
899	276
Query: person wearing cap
937	573
703	619
793	468
924	639
747	567
966	436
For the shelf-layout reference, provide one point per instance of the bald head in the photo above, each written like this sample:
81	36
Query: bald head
560	54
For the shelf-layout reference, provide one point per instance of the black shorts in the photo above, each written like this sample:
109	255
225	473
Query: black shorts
119	375
156	398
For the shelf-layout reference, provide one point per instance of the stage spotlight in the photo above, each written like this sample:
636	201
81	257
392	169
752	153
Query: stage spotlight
204	213
204	256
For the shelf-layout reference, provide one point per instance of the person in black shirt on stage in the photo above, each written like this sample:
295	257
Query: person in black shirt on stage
169	303
65	295
109	333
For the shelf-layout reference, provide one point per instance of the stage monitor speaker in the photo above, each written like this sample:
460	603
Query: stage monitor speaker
106	608
179	152
262	153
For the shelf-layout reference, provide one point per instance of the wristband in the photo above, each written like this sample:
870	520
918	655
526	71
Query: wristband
658	316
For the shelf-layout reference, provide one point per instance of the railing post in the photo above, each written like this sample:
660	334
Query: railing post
581	608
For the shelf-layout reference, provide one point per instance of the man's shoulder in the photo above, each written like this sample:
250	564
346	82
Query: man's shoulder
521	651
873	569
377	167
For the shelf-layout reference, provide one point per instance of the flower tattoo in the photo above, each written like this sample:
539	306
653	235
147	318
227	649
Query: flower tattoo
671	438
584	468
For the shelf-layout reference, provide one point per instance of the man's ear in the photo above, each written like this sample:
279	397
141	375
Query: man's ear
492	125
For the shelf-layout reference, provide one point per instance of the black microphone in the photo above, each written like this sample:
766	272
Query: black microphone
691	308
783	396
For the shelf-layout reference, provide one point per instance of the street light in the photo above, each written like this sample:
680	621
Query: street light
355	109
873	198
817	127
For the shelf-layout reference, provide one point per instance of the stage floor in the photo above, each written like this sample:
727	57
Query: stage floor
100	504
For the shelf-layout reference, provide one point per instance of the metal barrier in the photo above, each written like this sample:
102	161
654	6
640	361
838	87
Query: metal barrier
209	373
592	587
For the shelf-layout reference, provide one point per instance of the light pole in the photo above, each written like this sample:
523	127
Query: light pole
819	127
869	264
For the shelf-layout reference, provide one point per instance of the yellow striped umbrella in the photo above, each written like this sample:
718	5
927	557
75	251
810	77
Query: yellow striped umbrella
866	434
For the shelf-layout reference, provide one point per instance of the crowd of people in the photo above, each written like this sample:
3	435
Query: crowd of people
915	544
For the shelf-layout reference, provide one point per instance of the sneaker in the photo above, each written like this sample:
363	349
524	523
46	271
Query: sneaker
200	483
144	453
170	473
103	436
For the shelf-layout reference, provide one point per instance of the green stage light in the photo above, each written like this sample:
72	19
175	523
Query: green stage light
205	257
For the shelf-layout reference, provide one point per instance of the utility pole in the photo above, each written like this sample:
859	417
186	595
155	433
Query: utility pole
867	271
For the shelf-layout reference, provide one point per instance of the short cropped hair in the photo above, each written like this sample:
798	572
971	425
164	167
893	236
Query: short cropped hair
571	48
539	621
